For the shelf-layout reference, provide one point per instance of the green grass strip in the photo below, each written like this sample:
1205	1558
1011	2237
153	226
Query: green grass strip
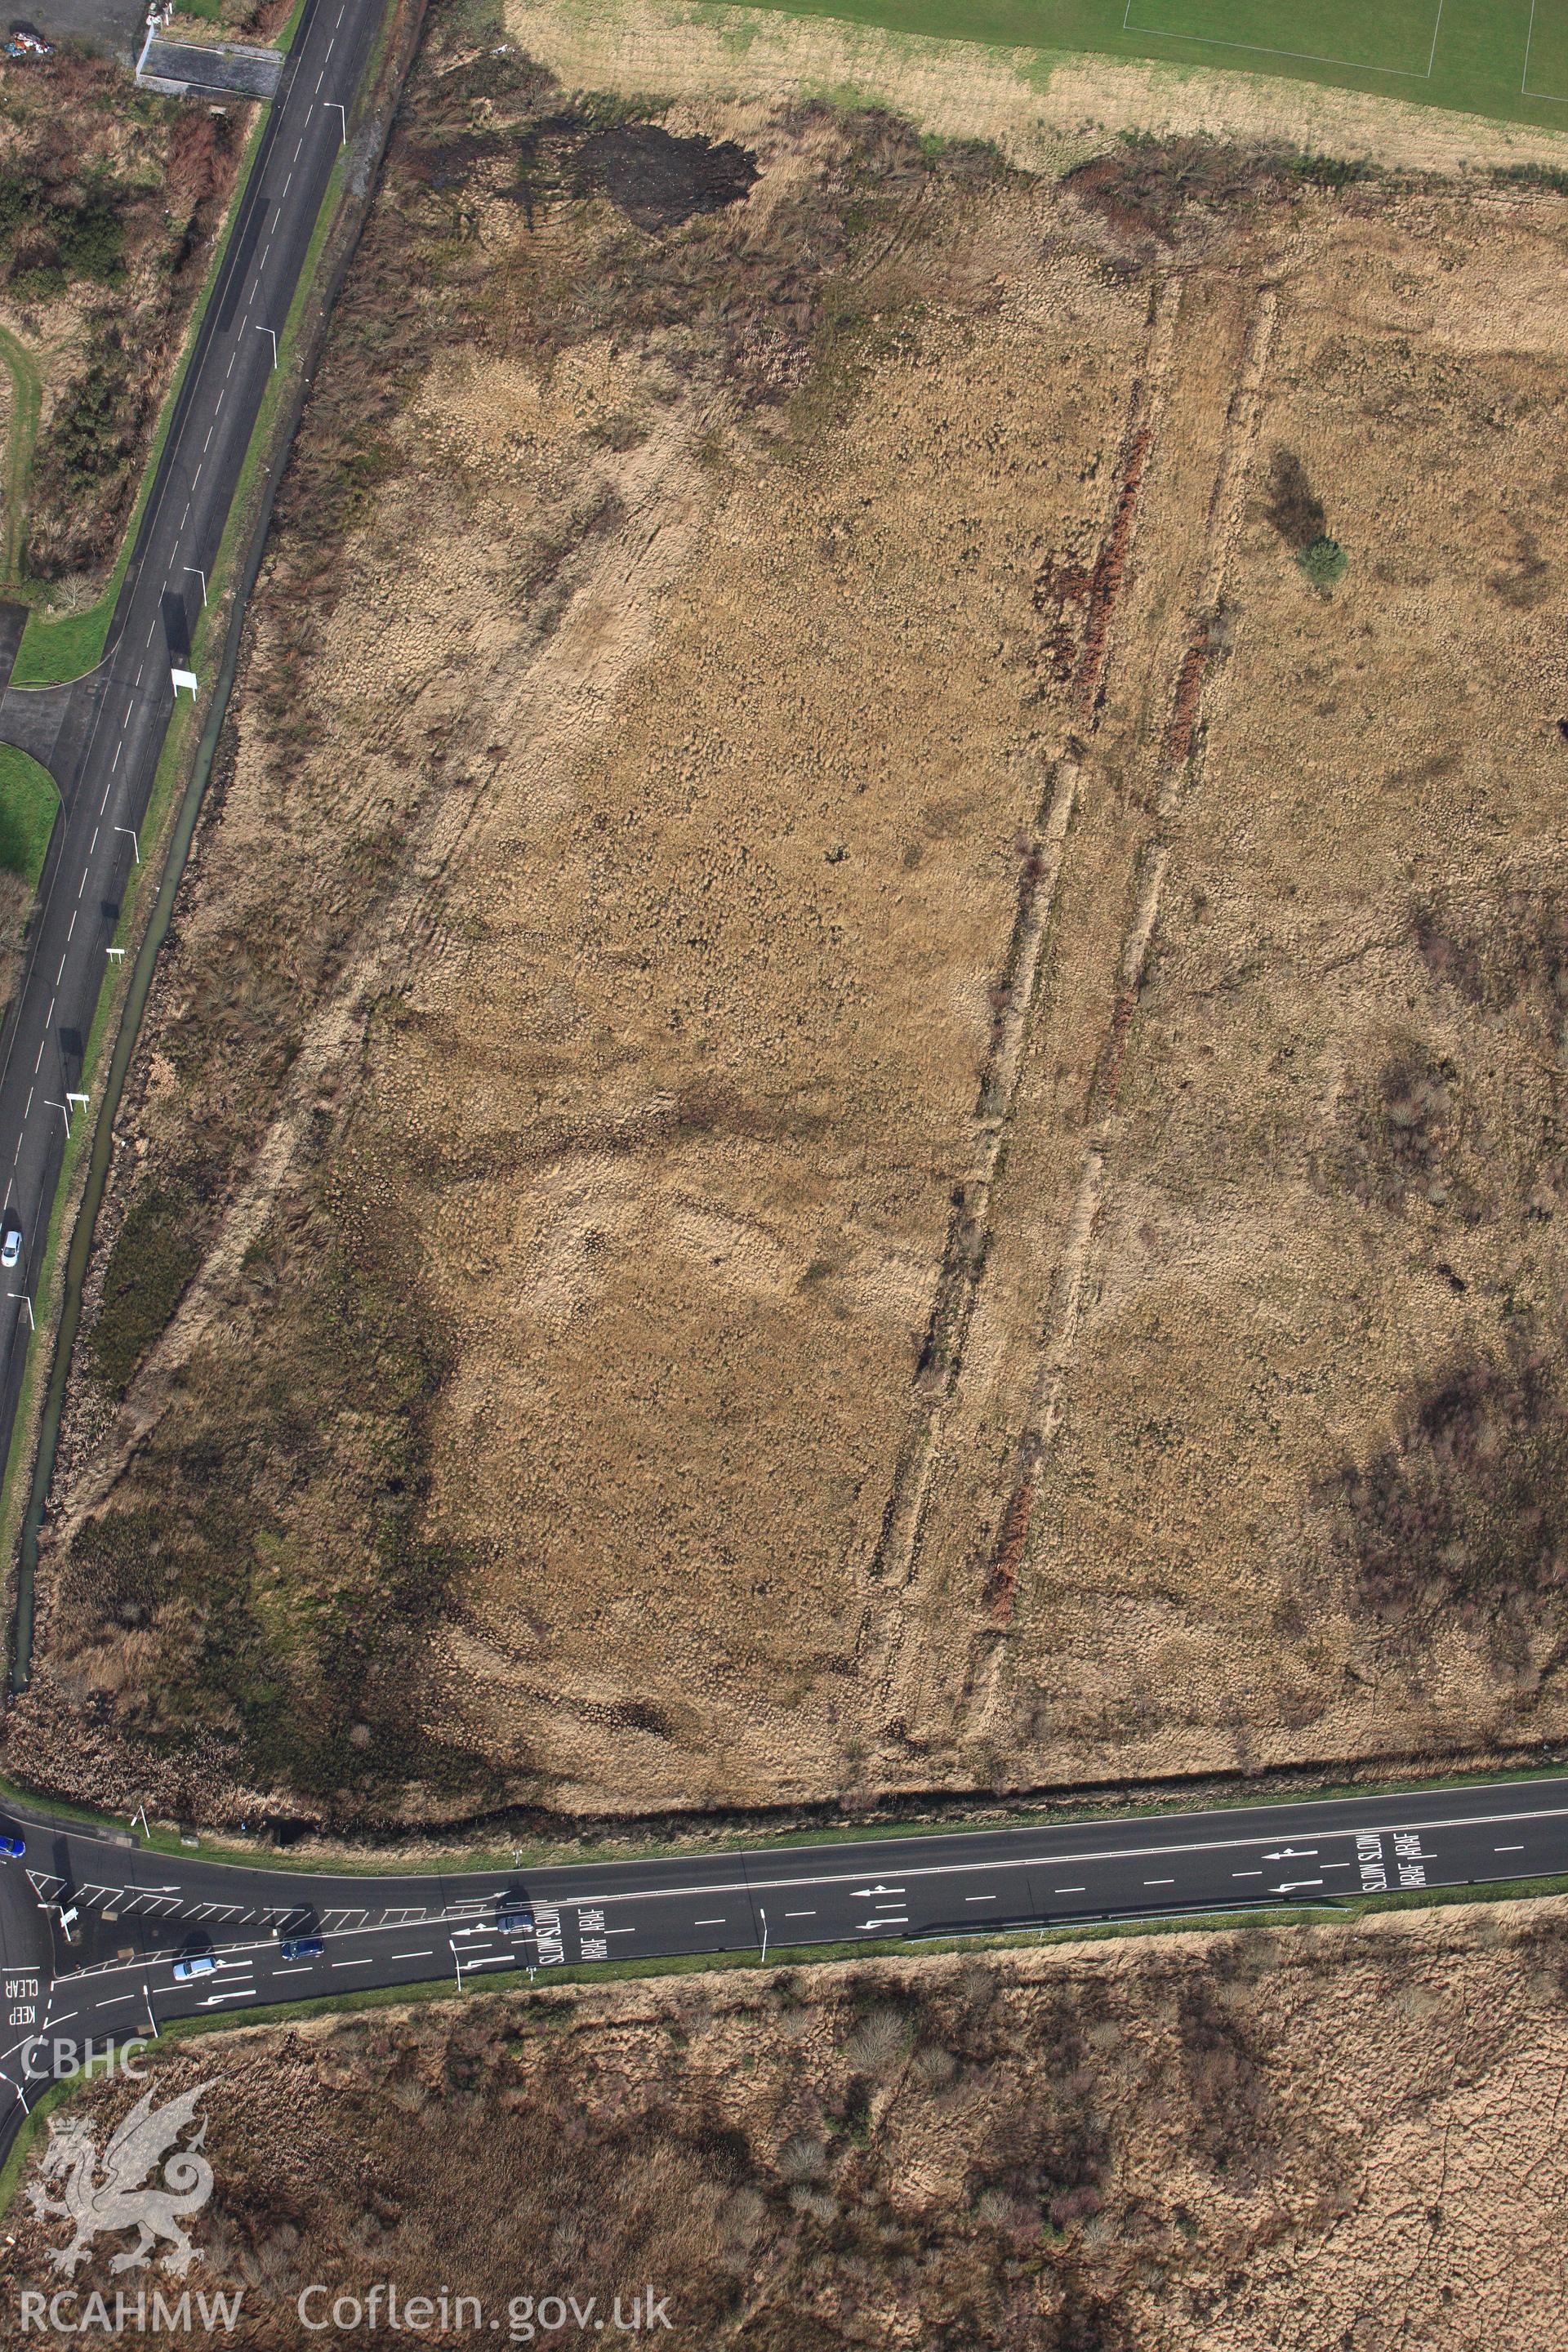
26	402
29	804
1506	59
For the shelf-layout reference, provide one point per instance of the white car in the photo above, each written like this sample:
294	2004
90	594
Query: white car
10	1242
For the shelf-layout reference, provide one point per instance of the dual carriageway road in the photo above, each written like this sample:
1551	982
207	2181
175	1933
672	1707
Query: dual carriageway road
92	1923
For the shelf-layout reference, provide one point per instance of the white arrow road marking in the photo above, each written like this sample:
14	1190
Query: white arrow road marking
877	1889
1290	1852
213	1998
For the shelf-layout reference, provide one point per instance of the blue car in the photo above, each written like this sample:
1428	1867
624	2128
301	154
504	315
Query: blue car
201	1964
15	1847
302	1948
516	1920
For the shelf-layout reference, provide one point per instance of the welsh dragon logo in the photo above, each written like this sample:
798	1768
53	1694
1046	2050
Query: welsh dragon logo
127	2194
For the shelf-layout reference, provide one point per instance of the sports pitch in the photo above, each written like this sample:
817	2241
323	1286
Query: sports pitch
1501	58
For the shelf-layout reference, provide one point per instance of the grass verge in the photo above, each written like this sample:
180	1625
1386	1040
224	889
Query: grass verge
521	1854
26	402
29	804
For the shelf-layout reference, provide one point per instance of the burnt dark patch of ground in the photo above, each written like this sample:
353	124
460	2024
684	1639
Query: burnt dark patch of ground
1152	187
1399	1138
658	179
1505	952
1464	1519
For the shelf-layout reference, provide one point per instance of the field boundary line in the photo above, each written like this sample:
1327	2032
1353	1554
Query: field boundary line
1437	28
983	1689
1298	57
894	1572
1541	97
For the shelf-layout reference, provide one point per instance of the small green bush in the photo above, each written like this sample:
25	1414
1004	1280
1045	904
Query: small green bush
1325	562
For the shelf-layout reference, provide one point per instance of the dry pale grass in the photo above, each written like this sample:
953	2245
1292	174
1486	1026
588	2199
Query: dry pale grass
1240	2143
850	1097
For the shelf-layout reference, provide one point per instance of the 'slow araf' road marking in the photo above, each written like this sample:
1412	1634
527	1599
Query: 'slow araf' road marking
1409	1858
1368	1857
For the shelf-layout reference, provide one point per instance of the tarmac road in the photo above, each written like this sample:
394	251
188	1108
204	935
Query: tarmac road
107	1972
100	737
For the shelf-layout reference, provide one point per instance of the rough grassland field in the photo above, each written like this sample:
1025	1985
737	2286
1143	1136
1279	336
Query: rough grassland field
860	1086
1205	2144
